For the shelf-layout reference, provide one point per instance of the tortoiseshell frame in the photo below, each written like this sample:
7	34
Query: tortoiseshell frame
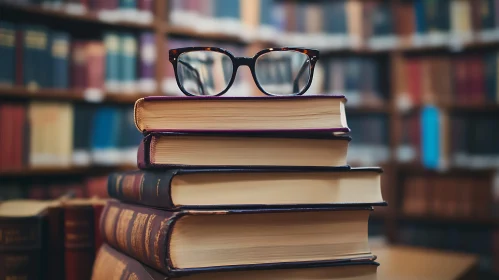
312	54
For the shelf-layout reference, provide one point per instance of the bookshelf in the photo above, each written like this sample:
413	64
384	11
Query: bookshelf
166	33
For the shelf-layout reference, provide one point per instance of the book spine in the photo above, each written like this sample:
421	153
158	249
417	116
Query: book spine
143	187
7	53
95	54
128	63
143	153
123	266
21	248
78	241
111	42
139	232
60	58
98	208
56	242
19	58
78	65
147	62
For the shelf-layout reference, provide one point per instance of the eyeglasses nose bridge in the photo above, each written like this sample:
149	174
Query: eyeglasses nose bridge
244	61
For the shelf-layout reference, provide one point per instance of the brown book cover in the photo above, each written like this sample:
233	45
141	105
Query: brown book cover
79	241
124	267
160	239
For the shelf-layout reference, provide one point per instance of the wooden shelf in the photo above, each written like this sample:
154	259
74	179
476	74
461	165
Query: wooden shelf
60	14
21	93
56	171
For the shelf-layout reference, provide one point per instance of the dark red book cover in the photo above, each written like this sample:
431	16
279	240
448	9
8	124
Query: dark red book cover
413	70
98	207
95	58
461	81
477	82
78	241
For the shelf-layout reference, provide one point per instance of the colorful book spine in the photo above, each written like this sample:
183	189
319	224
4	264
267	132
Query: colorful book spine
128	63
112	77
147	82
7	53
60	60
36	57
78	241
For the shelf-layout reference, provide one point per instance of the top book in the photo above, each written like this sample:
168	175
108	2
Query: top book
206	113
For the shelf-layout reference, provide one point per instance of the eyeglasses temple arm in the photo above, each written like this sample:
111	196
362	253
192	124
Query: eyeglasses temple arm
196	74
297	79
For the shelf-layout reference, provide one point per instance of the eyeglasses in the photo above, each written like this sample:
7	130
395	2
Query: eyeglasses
212	71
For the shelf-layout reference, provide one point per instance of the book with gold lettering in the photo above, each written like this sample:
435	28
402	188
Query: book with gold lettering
248	187
187	241
112	264
23	226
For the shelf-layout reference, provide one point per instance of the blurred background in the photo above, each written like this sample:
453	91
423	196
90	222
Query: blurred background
421	78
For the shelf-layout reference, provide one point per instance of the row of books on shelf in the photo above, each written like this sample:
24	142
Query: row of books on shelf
35	56
50	134
356	77
370	144
469	79
440	141
484	243
450	197
344	23
66	232
87	187
137	11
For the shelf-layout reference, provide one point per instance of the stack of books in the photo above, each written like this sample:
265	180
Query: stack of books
240	188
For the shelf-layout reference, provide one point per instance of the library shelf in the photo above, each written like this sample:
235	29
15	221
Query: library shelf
192	33
68	95
70	170
469	45
66	16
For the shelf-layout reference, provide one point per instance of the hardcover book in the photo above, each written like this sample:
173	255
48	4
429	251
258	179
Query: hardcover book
159	150
213	240
306	113
22	231
248	187
129	268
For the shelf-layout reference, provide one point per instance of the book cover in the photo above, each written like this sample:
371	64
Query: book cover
145	234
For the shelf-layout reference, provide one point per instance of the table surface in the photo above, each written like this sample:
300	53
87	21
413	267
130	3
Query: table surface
403	262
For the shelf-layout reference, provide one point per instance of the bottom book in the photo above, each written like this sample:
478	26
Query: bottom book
111	264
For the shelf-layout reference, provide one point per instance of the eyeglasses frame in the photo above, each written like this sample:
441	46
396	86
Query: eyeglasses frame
312	54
